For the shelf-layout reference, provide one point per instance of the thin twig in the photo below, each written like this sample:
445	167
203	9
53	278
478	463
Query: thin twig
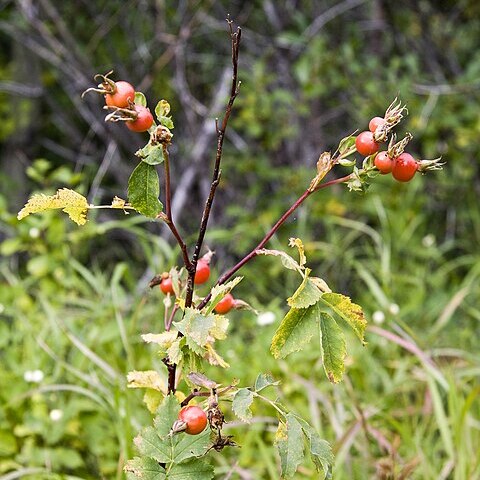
235	38
227	275
167	217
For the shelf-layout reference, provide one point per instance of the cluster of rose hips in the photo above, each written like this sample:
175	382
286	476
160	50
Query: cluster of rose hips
120	99
202	274
402	167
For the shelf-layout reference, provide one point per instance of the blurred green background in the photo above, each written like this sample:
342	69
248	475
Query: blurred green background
74	301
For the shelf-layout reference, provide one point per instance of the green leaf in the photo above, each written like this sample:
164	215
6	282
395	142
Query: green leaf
166	122
289	442
71	202
187	446
140	99
166	415
307	294
287	260
241	404
219	291
333	348
143	190
346	146
145	468
264	380
151	154
349	311
149	444
320	450
296	330
196	326
192	470
161	111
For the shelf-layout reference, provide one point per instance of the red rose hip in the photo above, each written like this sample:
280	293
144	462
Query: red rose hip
225	304
194	417
365	144
404	167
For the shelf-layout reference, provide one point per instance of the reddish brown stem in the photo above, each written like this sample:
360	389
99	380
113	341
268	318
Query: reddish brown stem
227	275
235	37
167	218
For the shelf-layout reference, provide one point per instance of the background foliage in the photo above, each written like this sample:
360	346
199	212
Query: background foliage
73	302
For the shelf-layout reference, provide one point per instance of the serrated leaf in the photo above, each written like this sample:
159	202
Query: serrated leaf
349	311
164	340
149	444
196	326
241	404
332	342
296	242
289	442
174	352
320	450
192	470
220	327
140	99
146	379
296	330
166	122
219	291
145	468
307	294
166	415
264	380
143	190
152	399
71	202
187	446
151	154
213	358
287	260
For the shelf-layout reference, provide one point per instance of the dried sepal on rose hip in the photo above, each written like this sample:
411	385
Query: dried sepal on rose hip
120	94
383	126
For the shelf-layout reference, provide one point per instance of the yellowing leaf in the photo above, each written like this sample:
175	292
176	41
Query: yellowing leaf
72	203
349	311
296	242
164	339
213	358
147	379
